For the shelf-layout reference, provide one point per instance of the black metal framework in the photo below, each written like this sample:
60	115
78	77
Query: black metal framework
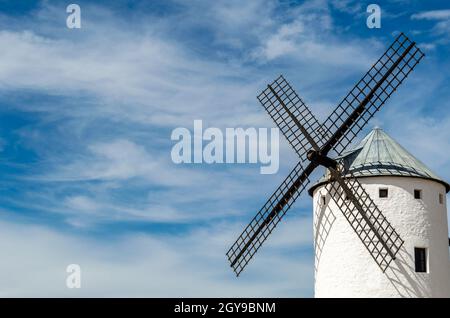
291	115
264	222
303	132
374	230
370	93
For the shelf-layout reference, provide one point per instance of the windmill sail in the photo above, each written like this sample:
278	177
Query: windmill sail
265	221
370	93
291	115
374	230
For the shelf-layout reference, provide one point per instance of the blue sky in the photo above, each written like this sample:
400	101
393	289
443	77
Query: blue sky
86	117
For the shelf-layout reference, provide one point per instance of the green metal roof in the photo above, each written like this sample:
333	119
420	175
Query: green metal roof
380	155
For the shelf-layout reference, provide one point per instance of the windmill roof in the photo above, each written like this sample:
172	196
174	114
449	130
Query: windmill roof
380	155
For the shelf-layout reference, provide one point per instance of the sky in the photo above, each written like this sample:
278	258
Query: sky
86	117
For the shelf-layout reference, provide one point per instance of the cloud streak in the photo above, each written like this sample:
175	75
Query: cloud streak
432	15
144	265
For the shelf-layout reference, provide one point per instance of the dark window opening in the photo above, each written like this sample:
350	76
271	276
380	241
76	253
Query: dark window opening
324	200
420	256
417	194
383	193
441	198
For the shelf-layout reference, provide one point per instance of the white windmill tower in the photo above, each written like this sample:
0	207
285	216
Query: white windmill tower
372	255
412	198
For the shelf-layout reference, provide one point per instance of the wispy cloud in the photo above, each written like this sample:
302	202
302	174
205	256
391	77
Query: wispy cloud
309	37
348	6
131	81
441	19
145	265
432	15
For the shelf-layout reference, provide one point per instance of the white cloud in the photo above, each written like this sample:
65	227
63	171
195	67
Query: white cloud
283	42
441	27
149	78
142	265
122	166
432	15
427	138
310	37
119	159
124	159
132	79
427	46
348	6
105	68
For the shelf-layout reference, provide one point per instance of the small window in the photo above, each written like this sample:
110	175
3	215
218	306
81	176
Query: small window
420	256
441	198
417	194
383	193
324	200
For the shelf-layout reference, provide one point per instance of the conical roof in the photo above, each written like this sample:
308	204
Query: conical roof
380	155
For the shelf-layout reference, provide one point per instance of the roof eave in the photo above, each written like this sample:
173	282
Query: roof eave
320	183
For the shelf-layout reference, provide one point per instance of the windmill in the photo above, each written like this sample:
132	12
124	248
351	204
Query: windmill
314	142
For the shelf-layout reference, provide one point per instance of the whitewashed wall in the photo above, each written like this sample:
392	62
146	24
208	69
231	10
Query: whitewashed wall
343	266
